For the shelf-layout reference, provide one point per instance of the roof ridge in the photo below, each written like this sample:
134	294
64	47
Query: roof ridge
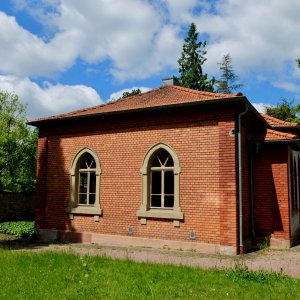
192	91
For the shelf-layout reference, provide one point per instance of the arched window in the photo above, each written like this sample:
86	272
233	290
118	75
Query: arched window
162	180
87	180
160	185
85	185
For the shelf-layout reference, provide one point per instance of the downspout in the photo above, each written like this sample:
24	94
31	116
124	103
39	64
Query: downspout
252	198
240	162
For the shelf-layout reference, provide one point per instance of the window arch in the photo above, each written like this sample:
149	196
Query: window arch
85	185
160	185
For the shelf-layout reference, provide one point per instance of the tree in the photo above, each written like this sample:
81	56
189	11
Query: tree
18	146
227	82
298	62
191	62
132	93
285	111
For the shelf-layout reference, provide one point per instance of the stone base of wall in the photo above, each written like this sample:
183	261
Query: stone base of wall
129	241
278	243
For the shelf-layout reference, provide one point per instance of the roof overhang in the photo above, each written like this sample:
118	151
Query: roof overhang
41	122
291	142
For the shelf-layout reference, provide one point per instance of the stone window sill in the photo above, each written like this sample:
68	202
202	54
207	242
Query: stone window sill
84	210
160	214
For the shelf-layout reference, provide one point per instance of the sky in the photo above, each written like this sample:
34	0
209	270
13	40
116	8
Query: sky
63	55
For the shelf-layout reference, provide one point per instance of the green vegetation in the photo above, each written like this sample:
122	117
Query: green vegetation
228	80
132	93
49	275
191	62
21	229
18	146
285	110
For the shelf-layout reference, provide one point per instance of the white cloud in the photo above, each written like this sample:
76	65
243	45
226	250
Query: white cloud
288	86
258	34
119	94
141	38
49	99
261	107
129	33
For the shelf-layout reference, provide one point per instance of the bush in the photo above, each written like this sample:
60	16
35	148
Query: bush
21	229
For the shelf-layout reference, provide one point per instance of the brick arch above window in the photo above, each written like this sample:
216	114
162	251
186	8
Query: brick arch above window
147	209
93	168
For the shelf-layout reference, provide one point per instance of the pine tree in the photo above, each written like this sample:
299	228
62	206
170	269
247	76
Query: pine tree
227	83
191	62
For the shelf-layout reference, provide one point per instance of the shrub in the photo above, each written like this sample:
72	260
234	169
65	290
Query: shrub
20	229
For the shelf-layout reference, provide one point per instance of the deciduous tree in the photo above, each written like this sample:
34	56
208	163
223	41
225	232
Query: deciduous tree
285	111
18	146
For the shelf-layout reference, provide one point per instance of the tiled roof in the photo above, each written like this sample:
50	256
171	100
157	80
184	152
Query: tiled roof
167	95
274	122
273	135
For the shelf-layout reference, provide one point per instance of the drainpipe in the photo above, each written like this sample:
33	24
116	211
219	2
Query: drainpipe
240	161
251	198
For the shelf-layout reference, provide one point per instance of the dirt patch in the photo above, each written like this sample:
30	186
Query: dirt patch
284	261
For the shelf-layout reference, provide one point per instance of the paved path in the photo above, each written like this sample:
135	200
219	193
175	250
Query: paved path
285	261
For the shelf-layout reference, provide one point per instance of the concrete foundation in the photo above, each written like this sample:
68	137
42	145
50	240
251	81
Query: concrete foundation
130	241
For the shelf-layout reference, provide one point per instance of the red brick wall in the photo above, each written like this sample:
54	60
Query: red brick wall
41	176
271	192
207	156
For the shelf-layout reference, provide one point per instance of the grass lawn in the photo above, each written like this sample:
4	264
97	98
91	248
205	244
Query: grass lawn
50	275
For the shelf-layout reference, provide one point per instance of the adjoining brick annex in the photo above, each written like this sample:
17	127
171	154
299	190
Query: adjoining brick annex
170	167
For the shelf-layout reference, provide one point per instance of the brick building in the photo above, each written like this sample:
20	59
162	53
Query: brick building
173	167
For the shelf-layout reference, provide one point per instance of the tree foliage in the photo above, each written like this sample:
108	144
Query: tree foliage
132	93
191	62
18	146
228	80
285	111
298	62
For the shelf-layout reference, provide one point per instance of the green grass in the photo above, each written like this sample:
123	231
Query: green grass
49	275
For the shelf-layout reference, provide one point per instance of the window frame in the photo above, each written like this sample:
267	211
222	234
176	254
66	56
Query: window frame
74	207
146	211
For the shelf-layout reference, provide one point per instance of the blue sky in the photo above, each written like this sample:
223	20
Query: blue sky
61	55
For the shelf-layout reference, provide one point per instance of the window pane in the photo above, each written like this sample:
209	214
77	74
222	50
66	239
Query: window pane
92	182
82	198
156	201
156	183
82	183
156	162
169	201
170	162
92	199
163	156
87	161
169	182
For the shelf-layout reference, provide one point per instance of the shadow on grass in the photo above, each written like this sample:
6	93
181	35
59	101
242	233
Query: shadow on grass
11	242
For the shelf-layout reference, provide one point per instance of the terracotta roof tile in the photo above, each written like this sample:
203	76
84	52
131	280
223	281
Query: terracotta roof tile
167	95
274	122
273	135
